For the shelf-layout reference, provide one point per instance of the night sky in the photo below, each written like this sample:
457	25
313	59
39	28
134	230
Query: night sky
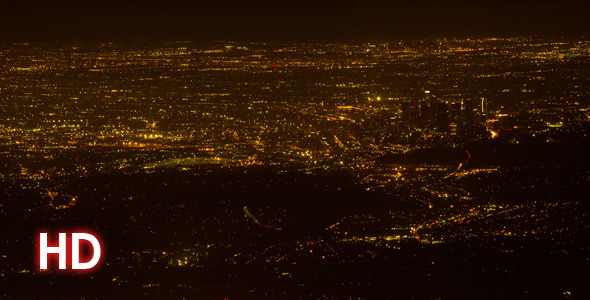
286	20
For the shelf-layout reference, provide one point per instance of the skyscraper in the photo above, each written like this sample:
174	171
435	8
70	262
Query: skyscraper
468	114
484	107
442	116
406	112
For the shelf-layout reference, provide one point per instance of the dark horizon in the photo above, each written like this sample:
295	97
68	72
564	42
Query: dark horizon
32	21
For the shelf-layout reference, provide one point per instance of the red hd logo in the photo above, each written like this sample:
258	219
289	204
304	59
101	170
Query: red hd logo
75	251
